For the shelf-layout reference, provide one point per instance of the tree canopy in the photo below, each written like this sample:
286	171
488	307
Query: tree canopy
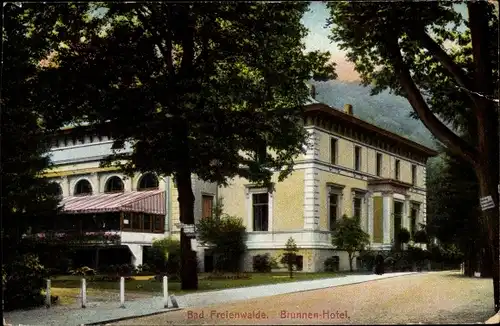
217	90
349	236
447	68
217	86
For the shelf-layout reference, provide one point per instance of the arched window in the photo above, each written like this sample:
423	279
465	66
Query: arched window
83	187
114	184
148	181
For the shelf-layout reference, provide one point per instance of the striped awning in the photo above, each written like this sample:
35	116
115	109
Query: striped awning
147	201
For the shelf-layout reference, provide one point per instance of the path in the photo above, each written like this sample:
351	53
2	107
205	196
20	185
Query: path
429	298
109	310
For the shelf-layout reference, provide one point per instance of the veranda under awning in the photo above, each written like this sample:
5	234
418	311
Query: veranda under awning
148	201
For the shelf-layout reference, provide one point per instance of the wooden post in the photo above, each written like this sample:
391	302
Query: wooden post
165	292
48	301
122	292
84	293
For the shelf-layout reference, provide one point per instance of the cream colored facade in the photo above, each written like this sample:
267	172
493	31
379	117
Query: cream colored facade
299	206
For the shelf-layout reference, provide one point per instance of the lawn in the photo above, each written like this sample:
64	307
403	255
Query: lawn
68	287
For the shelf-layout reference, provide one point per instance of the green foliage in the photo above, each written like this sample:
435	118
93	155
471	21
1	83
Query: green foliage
232	84
226	236
350	237
332	264
83	271
24	281
143	269
441	62
289	258
264	263
166	254
421	236
202	88
368	259
453	207
28	201
404	235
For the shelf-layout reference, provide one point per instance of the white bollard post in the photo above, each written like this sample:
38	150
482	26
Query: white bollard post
122	292
47	295
83	291
165	292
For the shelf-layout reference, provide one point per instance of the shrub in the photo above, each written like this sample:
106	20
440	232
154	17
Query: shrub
262	263
332	264
215	277
289	258
226	236
404	236
367	258
420	236
126	269
143	269
349	236
417	255
166	255
108	278
83	271
23	280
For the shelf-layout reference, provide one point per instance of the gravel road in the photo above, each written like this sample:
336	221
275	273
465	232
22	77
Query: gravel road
437	297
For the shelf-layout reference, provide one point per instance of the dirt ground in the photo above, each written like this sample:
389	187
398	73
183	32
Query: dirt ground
444	297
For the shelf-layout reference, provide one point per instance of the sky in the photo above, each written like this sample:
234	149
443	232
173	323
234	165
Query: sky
315	20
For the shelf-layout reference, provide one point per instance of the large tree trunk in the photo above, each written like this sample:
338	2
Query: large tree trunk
189	264
488	182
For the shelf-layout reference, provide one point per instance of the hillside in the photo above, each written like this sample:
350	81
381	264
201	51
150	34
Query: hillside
384	110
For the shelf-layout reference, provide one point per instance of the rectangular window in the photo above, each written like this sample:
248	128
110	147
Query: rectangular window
158	223
299	262
260	205
333	150
146	223
207	206
136	221
413	174
357	209
379	165
398	217
396	169
357	158
413	220
333	210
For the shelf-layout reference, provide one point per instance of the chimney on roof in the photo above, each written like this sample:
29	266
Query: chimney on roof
348	109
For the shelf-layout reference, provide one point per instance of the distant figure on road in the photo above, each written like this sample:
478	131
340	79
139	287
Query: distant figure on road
379	264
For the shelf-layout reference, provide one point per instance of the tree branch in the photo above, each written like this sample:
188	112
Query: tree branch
479	29
437	51
441	131
166	53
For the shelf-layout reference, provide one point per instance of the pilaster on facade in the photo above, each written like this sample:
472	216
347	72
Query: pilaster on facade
370	215
387	216
65	186
311	199
406	216
311	183
423	211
